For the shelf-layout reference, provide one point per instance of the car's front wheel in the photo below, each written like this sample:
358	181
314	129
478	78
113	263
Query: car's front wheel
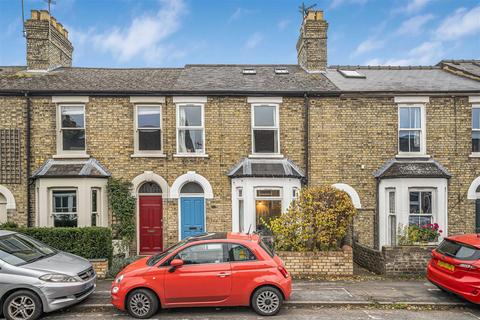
22	305
142	304
267	301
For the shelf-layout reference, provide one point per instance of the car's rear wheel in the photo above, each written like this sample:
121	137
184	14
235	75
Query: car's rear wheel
22	305
142	304
267	301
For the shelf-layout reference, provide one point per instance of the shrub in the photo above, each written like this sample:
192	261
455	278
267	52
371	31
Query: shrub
118	263
317	220
424	234
89	242
8	225
123	207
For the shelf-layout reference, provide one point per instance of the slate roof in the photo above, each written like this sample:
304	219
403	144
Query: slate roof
412	168
469	67
222	78
71	168
266	168
401	79
191	78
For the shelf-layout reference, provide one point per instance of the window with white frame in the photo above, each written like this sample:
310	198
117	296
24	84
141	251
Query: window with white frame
411	129
64	208
265	129
190	129
476	128
95	202
268	205
392	216
148	131
72	128
421	207
241	210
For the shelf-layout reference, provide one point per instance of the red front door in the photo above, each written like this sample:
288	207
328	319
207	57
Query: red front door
151	224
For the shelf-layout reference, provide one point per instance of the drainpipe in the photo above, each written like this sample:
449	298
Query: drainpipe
306	124
376	227
28	121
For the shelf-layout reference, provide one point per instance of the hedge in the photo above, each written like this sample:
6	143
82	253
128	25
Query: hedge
88	242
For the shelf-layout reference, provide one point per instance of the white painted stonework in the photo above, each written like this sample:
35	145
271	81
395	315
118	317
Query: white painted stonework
439	186
83	186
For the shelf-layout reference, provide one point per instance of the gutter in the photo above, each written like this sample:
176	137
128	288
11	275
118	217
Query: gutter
306	142
28	130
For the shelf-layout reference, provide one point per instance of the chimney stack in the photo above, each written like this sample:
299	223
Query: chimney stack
48	46
312	42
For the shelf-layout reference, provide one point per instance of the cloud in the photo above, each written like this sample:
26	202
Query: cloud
254	40
462	23
414	25
337	3
283	24
144	36
415	6
238	13
367	46
426	53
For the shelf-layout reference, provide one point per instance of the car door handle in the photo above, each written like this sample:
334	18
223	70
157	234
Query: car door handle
223	275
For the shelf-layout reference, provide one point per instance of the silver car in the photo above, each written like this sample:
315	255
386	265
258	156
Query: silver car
35	278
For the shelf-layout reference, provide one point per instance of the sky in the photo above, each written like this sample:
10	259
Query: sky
172	33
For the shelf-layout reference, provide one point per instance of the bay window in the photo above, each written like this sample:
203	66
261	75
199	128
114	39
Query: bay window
265	129
72	128
421	207
148	132
190	129
64	208
268	205
411	129
95	203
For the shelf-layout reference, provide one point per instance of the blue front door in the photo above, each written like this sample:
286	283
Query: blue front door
192	215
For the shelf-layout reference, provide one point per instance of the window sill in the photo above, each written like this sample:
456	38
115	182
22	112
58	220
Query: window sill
412	155
190	155
270	156
474	155
71	156
148	155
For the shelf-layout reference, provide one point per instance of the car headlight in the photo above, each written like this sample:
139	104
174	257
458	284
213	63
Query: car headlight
57	277
119	279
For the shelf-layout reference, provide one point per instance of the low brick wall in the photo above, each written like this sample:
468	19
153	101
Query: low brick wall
393	261
406	260
100	266
369	258
323	263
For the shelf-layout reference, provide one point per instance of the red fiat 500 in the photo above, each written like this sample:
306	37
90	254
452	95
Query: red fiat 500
455	266
216	269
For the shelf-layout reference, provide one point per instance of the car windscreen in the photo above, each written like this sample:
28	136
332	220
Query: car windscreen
17	249
458	250
154	259
268	247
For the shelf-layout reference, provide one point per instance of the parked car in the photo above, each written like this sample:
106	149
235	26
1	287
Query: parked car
455	266
36	278
215	269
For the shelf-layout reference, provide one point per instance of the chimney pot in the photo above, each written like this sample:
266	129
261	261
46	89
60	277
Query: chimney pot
35	15
44	15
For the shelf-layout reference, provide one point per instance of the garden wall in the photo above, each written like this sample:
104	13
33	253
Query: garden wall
393	261
322	263
100	266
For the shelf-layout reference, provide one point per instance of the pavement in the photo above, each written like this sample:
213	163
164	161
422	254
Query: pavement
346	293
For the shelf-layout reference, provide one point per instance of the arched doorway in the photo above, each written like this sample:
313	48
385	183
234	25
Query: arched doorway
192	210
150	218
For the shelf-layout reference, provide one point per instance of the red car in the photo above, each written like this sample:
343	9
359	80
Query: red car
215	269
455	266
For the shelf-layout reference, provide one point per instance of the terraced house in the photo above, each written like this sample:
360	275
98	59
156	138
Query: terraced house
217	147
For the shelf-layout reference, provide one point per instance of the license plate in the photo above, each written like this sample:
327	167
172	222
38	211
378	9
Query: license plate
445	265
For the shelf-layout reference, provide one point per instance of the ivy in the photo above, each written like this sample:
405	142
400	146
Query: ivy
123	206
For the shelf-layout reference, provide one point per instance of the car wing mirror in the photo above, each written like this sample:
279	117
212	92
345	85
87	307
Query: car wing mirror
174	264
